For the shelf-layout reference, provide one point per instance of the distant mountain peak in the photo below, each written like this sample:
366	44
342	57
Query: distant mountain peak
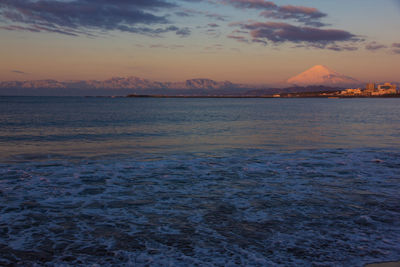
322	75
321	69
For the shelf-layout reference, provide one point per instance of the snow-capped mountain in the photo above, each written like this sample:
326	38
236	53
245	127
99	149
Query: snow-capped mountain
124	83
120	83
205	84
33	84
322	75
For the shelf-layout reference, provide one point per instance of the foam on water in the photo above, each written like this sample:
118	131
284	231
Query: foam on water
330	207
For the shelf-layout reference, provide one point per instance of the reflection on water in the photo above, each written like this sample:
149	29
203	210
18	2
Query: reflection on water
208	182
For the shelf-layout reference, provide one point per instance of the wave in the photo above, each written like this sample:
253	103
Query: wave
330	207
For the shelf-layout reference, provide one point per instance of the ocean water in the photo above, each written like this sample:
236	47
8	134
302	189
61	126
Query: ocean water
199	182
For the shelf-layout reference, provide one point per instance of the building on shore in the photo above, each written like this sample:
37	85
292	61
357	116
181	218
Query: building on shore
357	91
385	89
371	90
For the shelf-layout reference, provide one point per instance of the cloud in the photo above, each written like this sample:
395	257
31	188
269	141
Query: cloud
215	16
182	14
190	12
37	28
256	4
78	17
308	36
215	47
174	46
213	25
183	32
240	31
241	39
308	15
261	41
374	46
333	47
336	47
18	72
213	32
283	32
396	47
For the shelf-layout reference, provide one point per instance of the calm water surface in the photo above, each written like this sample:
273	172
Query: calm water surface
208	182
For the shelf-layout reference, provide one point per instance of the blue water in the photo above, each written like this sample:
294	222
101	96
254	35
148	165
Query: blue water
208	182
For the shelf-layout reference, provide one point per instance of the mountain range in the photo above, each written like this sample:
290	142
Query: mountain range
313	79
119	83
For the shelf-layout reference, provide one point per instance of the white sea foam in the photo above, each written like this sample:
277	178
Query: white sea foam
246	207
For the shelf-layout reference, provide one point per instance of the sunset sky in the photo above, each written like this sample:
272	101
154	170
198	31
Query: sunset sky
246	41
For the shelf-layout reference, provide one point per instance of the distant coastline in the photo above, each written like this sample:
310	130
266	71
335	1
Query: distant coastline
371	91
291	95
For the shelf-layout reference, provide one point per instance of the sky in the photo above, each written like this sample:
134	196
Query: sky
243	41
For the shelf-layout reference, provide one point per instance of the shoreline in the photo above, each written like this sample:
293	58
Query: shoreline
248	96
208	96
384	264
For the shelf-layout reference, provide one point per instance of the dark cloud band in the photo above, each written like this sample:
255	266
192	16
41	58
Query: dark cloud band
308	15
83	16
263	32
284	32
374	46
257	4
18	72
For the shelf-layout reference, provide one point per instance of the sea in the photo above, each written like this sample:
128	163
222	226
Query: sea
88	181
